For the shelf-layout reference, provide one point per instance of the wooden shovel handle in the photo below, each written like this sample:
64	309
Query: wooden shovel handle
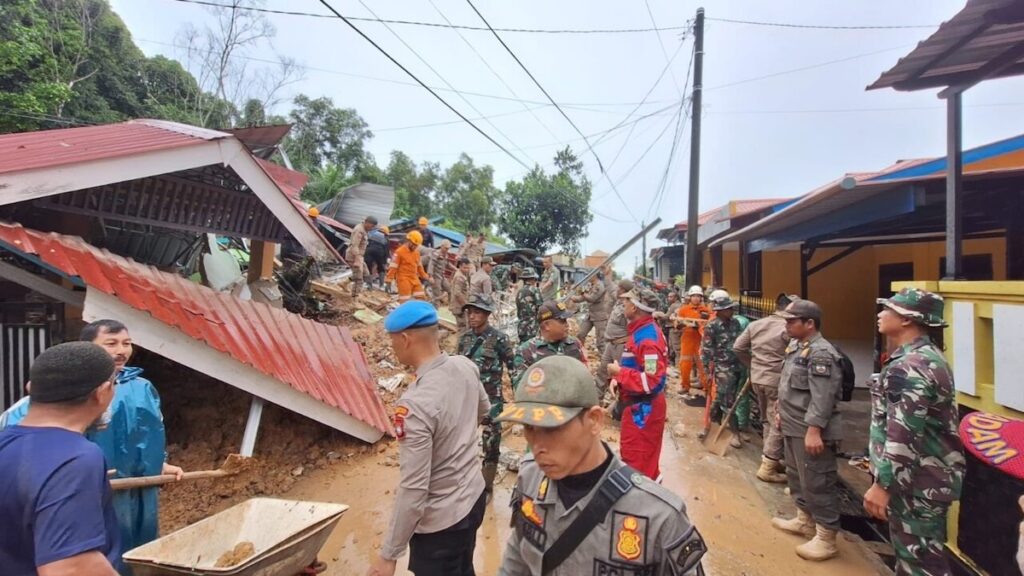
728	416
147	481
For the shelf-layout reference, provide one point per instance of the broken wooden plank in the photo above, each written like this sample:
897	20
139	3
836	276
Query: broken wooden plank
367	316
330	289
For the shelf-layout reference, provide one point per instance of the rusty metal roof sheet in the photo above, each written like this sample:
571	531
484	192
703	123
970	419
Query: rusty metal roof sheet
984	40
319	360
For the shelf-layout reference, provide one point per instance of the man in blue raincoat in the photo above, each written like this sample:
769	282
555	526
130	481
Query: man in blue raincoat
132	439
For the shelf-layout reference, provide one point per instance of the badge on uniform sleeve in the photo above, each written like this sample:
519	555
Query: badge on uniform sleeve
686	554
400	413
651	363
542	491
629	538
821	368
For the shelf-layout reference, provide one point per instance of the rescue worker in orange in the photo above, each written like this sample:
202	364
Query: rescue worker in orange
693	315
407	269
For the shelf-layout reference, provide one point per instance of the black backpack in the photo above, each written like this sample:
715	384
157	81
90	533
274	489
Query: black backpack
849	374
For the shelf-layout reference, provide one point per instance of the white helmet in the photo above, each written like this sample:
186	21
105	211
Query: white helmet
717	294
695	291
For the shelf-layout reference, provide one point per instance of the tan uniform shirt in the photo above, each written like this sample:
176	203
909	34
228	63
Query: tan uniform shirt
617	322
437	266
598	304
646	532
436	423
480	283
459	293
811	388
549	284
357	244
762	346
476	251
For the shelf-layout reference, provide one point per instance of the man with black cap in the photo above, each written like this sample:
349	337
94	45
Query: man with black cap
810	390
439	504
55	500
554	339
356	252
641	375
492	353
578	509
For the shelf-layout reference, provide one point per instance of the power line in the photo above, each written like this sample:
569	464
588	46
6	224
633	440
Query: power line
680	125
493	72
661	45
823	26
438	24
583	106
600	165
450	122
449	85
421	83
29	115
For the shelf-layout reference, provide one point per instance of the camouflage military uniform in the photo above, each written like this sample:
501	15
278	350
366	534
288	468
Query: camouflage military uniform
492	353
500	277
538	348
527	301
916	454
717	351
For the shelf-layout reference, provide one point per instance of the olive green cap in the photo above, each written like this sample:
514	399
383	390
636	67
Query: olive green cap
552	392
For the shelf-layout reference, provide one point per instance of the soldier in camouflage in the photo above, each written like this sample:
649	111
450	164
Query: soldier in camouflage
491	351
719	358
554	340
916	454
500	277
528	300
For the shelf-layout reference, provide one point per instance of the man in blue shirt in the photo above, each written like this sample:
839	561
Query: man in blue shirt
132	438
55	500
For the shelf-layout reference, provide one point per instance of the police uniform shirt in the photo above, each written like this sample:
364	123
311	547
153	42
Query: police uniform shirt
646	533
436	424
810	389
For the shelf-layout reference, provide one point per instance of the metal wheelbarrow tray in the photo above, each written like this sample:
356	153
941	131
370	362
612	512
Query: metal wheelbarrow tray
286	535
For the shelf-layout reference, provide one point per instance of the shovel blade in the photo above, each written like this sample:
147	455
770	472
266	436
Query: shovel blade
717	440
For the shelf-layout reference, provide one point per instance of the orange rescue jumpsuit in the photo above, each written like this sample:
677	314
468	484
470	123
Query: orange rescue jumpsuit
407	269
689	344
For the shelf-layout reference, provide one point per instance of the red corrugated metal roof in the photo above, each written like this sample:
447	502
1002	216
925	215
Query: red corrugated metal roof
291	182
317	359
48	148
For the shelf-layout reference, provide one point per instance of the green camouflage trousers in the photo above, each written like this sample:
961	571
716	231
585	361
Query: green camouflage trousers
917	528
492	430
727	385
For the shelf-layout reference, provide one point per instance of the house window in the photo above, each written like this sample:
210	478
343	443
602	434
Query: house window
975	267
752	273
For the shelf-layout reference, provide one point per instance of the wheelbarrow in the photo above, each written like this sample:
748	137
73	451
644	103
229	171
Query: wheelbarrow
279	538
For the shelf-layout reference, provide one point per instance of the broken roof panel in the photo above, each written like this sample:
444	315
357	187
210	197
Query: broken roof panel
317	360
353	204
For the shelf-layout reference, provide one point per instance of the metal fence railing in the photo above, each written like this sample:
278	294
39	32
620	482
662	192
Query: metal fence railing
755	307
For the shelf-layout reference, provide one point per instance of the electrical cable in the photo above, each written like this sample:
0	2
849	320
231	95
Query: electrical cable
421	83
600	165
650	14
680	126
449	85
822	26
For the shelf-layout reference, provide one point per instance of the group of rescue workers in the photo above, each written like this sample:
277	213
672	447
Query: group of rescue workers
578	507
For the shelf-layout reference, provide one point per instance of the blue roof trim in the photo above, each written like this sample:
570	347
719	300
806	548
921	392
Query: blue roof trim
970	156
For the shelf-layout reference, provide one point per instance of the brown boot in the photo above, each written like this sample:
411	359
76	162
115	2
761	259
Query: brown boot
822	547
767	473
490	470
802	525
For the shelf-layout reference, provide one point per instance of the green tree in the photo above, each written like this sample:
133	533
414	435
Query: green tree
27	90
414	188
324	134
324	183
542	211
467	195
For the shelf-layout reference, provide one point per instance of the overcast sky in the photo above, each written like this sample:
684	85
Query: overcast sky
785	109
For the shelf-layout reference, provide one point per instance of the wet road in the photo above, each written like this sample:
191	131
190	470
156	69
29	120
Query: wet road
729	505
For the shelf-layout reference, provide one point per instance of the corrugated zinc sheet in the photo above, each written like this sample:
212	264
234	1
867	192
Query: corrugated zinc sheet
47	148
980	33
353	204
317	359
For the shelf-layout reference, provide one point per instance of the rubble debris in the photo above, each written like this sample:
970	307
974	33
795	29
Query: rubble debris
510	459
367	316
679	431
240	553
391	383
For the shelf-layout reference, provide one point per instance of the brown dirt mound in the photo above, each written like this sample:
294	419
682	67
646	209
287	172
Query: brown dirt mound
241	552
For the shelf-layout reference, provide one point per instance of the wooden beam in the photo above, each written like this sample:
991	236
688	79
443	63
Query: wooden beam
261	261
41	285
817	268
993	67
252	427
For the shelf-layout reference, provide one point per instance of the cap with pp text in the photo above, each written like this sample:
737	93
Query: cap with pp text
553	391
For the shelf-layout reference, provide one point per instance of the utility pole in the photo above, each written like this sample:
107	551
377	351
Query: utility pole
643	248
693	269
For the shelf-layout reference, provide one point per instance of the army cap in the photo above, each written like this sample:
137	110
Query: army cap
626	284
802	309
528	273
919	305
481	302
486	260
643	299
553	392
552	309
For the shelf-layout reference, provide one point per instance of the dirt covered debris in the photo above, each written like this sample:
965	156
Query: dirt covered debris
240	553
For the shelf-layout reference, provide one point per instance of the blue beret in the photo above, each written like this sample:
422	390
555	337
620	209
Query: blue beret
412	314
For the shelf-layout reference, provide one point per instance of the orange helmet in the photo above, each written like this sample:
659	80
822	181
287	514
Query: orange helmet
415	237
423	221
385	229
314	211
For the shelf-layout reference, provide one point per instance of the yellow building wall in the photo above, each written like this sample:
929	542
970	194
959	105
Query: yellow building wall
846	290
731	271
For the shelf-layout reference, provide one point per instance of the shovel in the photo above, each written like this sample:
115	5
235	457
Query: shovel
232	465
719	444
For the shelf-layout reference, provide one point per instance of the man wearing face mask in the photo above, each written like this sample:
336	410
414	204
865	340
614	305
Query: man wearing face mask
133	439
440	501
576	508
